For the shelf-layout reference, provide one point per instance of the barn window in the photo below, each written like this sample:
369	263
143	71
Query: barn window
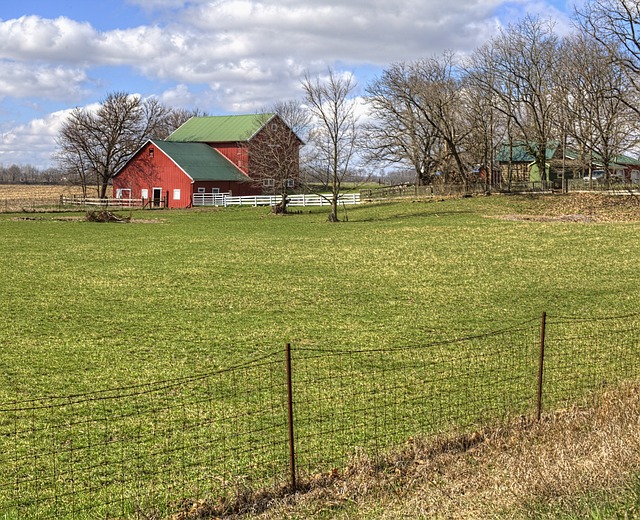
144	193
268	183
151	152
176	194
215	190
291	183
201	189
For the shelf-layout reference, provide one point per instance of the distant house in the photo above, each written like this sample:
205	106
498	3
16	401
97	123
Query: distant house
517	163
520	161
205	155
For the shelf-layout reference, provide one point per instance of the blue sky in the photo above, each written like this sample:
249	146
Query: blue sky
221	56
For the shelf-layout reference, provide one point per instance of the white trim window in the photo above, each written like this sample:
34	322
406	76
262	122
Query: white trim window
291	183
176	194
268	183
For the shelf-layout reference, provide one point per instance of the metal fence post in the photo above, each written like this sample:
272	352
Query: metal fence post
541	364
292	452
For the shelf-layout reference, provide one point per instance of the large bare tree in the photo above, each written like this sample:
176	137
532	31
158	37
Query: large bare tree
522	60
94	144
435	92
615	24
397	133
421	115
335	132
596	102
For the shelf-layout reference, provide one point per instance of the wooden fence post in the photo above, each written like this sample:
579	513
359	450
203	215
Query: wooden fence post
292	451
541	364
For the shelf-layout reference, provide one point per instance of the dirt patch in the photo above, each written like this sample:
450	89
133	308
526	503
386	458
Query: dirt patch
85	219
575	207
549	218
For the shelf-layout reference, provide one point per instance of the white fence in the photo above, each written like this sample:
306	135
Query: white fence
225	199
78	200
218	199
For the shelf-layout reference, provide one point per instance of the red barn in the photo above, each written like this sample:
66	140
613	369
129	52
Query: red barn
205	155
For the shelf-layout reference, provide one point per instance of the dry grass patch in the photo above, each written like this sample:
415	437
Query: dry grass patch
579	207
496	472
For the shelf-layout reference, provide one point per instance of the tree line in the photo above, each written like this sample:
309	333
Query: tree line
27	174
444	116
450	115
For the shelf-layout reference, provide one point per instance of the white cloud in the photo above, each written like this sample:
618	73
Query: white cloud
235	55
247	45
37	136
34	38
20	80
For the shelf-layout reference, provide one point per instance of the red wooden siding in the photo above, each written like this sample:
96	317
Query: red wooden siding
149	169
236	152
237	189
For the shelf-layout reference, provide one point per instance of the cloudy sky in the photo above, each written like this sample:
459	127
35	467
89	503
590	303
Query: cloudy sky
221	56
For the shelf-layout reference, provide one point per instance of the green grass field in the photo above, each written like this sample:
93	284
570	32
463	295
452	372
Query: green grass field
92	306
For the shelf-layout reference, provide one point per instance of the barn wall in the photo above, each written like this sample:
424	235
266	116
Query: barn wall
153	169
237	189
235	152
274	153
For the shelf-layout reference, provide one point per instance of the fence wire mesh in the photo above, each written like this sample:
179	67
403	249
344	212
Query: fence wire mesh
371	399
154	449
144	449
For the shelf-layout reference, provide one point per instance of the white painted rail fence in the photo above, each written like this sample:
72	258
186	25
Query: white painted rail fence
224	199
77	200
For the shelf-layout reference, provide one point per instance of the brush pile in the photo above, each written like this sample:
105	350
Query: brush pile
105	216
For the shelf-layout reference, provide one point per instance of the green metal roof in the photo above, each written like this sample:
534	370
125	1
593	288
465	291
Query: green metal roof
626	161
622	161
201	162
522	153
219	129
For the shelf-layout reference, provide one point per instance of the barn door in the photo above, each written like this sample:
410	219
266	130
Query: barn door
157	197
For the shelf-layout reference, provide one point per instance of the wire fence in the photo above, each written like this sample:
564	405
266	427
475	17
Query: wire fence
479	188
151	450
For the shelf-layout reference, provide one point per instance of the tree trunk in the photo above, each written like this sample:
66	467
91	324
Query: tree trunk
333	214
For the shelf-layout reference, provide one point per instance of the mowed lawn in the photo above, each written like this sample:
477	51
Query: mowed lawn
87	306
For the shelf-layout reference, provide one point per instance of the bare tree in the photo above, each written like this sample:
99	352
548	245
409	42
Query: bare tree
522	60
94	145
420	117
397	133
435	91
615	24
336	131
274	157
597	98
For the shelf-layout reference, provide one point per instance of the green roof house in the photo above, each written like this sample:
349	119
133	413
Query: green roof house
520	159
